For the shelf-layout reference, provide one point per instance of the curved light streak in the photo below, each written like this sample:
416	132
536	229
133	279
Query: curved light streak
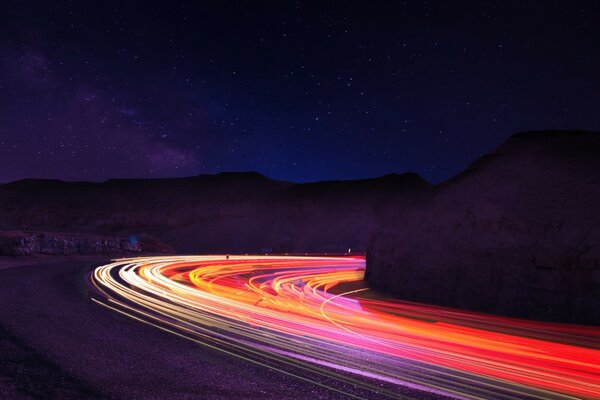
292	314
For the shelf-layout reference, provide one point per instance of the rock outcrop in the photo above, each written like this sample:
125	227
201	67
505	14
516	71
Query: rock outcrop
52	243
517	233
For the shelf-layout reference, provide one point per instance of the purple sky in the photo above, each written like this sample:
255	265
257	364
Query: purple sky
296	91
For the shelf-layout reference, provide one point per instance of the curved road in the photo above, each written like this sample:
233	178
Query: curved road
307	317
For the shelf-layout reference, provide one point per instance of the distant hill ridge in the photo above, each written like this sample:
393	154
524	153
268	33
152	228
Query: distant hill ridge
226	212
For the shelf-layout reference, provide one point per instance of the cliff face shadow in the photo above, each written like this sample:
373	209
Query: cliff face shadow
517	233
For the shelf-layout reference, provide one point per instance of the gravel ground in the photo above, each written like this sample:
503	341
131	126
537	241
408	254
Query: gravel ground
55	343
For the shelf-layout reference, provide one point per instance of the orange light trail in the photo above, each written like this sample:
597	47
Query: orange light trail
292	314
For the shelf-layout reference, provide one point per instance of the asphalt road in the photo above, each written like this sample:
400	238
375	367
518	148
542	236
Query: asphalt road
57	344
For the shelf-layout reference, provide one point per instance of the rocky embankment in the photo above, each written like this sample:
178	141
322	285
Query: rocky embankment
18	243
517	233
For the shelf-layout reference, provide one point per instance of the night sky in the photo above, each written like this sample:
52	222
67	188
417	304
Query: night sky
294	90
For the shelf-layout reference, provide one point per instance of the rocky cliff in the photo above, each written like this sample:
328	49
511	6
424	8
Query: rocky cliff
517	233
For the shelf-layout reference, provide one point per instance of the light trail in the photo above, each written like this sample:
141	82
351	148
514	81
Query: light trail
293	315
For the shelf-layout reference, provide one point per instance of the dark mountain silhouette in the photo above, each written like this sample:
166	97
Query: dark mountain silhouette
227	212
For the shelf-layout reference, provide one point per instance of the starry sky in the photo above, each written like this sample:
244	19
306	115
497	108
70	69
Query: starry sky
299	91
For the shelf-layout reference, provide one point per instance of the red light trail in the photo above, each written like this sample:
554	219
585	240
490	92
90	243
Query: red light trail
304	317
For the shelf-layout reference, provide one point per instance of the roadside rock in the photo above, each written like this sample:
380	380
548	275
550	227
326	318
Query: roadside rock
18	243
517	233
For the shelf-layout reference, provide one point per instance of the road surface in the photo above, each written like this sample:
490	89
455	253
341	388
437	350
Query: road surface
56	343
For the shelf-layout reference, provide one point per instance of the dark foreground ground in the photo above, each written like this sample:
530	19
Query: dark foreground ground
56	344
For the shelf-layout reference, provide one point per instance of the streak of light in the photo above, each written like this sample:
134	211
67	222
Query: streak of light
282	313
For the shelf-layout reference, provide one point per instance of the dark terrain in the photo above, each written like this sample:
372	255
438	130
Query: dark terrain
517	233
229	212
